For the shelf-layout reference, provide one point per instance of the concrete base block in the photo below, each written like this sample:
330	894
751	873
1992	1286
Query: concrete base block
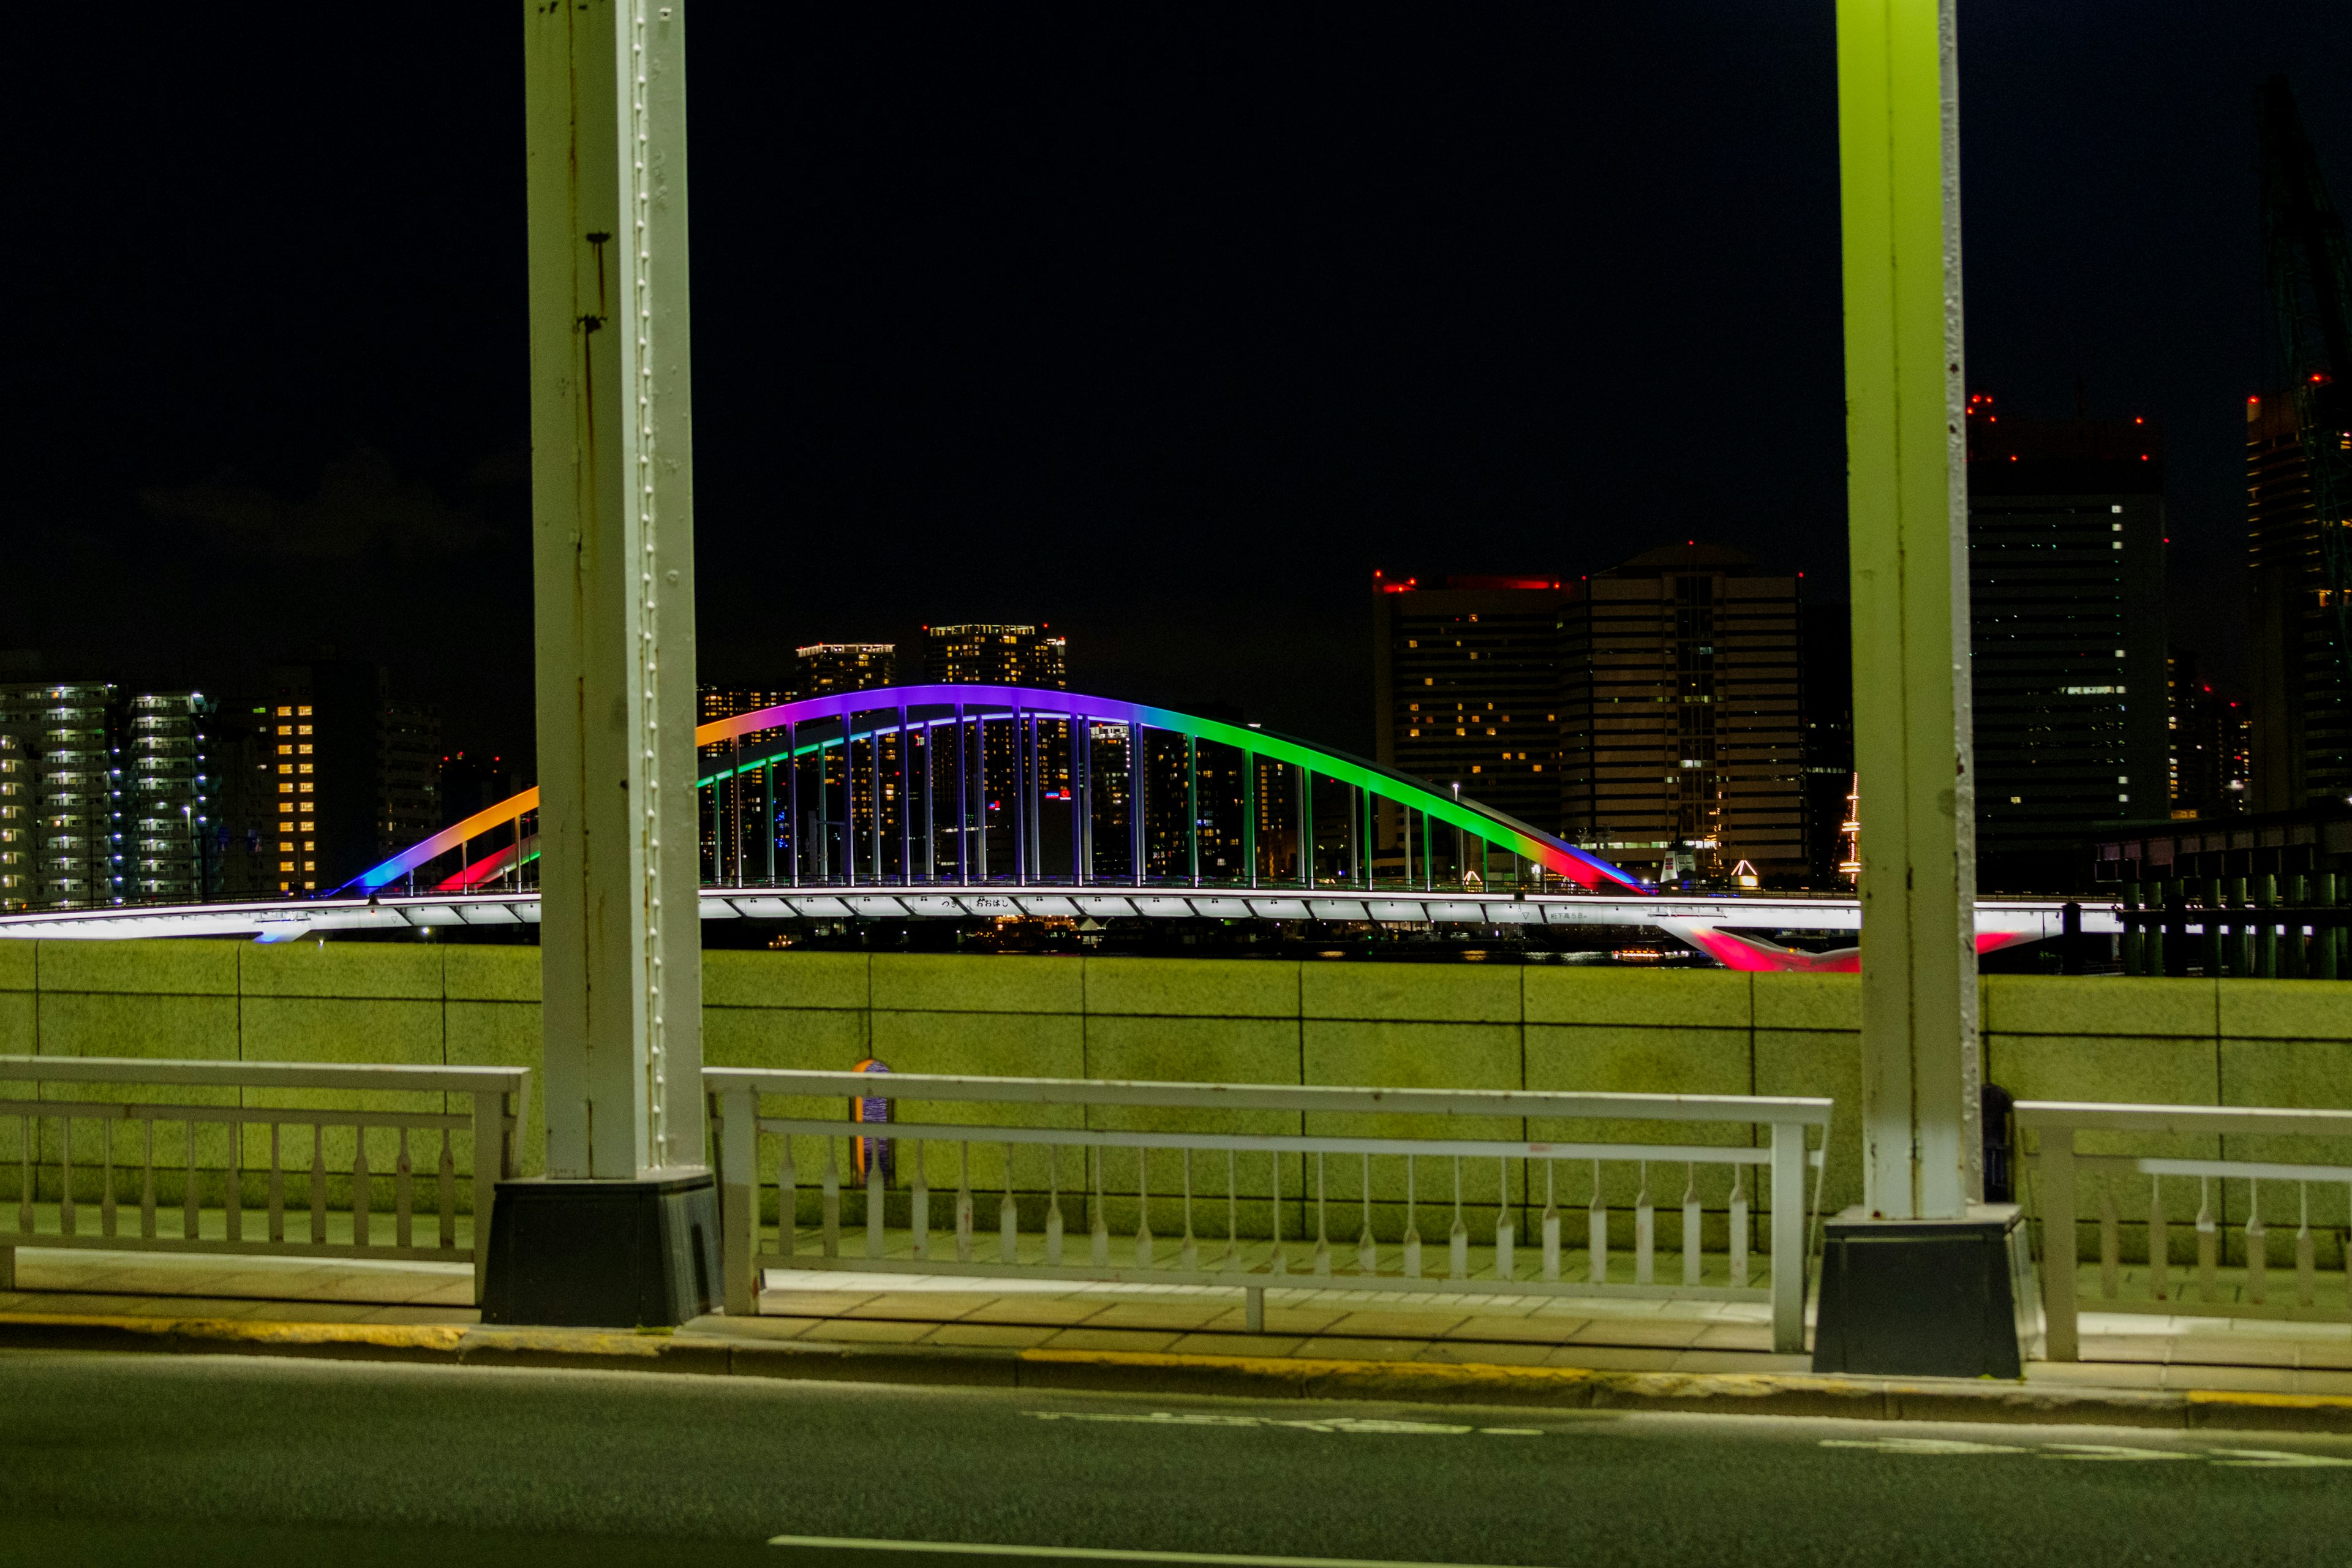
609	1255
1923	1298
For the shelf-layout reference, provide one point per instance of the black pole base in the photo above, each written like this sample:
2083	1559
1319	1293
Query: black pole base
1952	1297
603	1255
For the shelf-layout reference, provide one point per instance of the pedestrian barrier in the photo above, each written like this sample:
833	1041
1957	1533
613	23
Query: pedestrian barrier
107	1151
2064	1170
1211	1170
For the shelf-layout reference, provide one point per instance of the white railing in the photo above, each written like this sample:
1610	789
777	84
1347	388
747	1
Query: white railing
2062	1169
109	1152
1236	1185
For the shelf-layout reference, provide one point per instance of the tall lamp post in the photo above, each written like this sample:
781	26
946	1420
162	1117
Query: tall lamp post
1921	1277
623	1229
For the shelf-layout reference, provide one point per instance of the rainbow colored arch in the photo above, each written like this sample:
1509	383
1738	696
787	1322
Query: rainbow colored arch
923	718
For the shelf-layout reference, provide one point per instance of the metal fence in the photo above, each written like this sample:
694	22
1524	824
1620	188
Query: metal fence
2238	927
2118	1184
118	1166
1215	1196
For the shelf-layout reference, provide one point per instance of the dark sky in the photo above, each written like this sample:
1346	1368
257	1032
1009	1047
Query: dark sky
1164	325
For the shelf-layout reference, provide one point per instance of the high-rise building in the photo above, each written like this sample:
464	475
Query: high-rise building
1466	687
1828	743
354	771
1681	740
2208	735
1650	713
2066	592
977	655
828	668
18	879
2301	720
70	733
172	851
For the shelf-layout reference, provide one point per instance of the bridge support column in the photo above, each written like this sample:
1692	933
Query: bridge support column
1910	1275
623	1229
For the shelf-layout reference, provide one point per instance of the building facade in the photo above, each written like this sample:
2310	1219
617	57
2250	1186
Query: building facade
1650	713
17	879
1683	744
106	798
2301	698
828	668
993	654
352	772
169	798
70	733
1467	684
2067	634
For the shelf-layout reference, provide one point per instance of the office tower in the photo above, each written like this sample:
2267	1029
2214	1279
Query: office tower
730	813
1682	743
2066	592
354	771
245	842
996	656
169	785
1828	702
17	880
68	732
408	753
2206	732
2302	733
1466	690
829	668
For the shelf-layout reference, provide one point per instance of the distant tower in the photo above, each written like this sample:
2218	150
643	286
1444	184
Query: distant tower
2299	482
996	655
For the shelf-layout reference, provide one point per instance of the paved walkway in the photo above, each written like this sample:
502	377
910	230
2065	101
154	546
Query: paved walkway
1608	1334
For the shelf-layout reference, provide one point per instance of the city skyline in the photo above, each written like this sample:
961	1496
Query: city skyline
263	468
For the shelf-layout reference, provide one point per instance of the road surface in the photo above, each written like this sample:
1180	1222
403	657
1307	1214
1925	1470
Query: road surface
193	1460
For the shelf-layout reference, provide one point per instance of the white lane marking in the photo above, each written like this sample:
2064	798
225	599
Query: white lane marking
2275	1459
2118	1452
1512	1431
1094	1554
1920	1445
1195	1418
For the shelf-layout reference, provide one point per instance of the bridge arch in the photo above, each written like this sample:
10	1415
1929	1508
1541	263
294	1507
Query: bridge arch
967	785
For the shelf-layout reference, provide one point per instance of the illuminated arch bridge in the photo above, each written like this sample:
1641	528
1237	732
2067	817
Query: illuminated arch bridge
1012	786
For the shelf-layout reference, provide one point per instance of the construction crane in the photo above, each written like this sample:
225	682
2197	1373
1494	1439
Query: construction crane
2307	273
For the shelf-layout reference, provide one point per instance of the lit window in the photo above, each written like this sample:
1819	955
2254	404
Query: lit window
309	865
283	712
1476	769
304	713
302	730
285	865
286	847
310	887
302	751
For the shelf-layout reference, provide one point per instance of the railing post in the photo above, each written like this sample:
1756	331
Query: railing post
738	1199
489	1162
1788	1237
2058	1243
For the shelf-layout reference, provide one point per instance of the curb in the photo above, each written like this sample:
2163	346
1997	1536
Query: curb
1130	1372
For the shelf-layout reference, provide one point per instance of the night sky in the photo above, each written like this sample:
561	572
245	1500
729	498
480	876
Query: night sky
1165	326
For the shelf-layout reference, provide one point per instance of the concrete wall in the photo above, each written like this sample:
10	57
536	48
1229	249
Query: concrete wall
2235	1042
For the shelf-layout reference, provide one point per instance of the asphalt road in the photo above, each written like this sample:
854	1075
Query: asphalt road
193	1460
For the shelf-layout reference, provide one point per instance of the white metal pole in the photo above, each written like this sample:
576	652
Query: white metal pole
613	531
1908	521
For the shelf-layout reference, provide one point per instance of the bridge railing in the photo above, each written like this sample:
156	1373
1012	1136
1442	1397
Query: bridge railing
1232	1189
2111	1183
133	1155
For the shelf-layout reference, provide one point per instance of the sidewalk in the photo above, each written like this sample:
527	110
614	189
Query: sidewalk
874	1313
